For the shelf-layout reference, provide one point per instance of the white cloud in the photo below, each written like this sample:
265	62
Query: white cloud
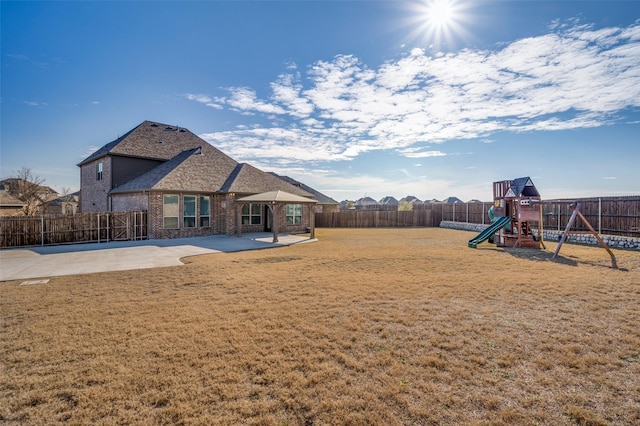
35	104
89	151
573	77
203	99
206	100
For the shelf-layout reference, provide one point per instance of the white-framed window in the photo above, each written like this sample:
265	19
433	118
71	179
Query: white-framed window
189	211
205	211
99	171
293	214
252	214
170	211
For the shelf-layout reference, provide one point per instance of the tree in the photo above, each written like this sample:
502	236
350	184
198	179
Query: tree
27	187
405	206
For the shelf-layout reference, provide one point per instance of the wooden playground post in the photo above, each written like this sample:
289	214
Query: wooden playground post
576	212
540	229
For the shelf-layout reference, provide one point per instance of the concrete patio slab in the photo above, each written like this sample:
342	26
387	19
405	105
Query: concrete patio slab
52	261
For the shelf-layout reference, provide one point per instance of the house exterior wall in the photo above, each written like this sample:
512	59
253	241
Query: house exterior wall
94	192
128	168
302	227
223	219
7	211
156	227
128	202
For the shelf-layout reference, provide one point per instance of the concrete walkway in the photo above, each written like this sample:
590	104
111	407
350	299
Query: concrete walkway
52	261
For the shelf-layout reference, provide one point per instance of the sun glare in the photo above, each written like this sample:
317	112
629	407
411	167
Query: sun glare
439	13
438	23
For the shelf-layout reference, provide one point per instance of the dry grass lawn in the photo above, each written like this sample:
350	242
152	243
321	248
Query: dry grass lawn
384	326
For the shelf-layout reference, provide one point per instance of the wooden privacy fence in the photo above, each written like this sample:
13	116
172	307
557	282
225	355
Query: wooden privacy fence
607	215
374	219
79	228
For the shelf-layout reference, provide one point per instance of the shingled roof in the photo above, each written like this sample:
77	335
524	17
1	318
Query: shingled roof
190	164
247	179
202	169
150	140
8	200
522	186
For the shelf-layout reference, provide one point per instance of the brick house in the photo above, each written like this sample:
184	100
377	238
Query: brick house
10	205
187	186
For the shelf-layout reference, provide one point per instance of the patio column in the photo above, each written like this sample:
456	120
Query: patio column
312	220
274	223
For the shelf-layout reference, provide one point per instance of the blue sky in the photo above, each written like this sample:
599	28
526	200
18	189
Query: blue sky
354	98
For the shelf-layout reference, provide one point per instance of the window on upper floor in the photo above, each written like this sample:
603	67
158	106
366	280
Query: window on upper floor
99	171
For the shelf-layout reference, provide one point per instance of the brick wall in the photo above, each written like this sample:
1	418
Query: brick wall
156	228
224	214
127	202
93	192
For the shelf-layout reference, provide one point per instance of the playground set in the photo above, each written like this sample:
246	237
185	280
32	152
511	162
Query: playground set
517	206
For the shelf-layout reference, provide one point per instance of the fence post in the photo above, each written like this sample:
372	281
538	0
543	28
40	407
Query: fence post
482	213
107	227
467	212
453	213
41	230
98	215
600	216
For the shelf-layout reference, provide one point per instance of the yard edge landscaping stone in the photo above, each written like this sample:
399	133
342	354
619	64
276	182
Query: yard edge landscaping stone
613	241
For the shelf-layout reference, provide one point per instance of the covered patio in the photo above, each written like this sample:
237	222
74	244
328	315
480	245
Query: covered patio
275	200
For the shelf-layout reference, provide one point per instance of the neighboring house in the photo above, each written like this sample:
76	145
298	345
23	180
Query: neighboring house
325	204
63	205
411	200
347	205
452	200
389	201
187	186
366	203
33	196
431	201
10	205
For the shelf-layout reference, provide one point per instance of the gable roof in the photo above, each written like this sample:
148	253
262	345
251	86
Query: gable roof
16	185
410	199
247	179
322	199
389	200
451	200
8	200
151	140
189	164
522	187
366	201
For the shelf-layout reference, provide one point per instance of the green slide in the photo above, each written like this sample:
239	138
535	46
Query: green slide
484	235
